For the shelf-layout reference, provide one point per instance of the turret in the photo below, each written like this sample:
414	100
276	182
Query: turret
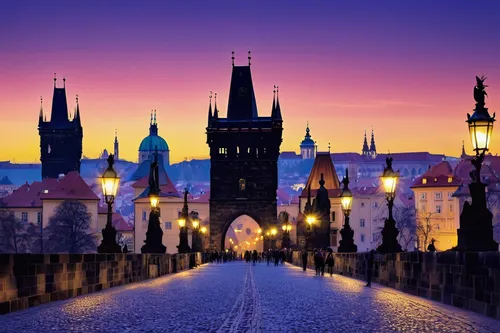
365	150
210	111
276	112
116	150
77	121
373	149
40	116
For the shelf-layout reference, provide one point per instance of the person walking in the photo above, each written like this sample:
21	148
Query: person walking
330	261
369	268
304	260
431	247
319	262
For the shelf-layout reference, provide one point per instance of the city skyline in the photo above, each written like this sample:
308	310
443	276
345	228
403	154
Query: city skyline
405	71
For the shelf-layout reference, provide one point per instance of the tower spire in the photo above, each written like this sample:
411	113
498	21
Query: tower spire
216	111
249	58
463	155
210	110
365	150
155	117
55	79
40	116
64	82
273	110
232	57
373	149
116	150
277	110
151	121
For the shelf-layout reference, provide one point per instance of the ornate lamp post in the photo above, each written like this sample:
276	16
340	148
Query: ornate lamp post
476	226
196	240
347	242
183	246
286	227
389	232
154	235
274	232
310	219
110	182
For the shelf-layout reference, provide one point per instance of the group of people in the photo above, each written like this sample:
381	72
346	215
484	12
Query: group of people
322	258
278	257
219	257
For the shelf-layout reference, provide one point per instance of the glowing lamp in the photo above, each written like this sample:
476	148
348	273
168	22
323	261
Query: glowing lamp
346	201
283	227
310	220
259	231
288	227
182	223
110	181
274	231
480	130
389	179
203	230
154	200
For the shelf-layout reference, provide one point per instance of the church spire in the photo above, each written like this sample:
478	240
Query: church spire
116	150
153	126
210	110
365	150
373	149
463	155
273	110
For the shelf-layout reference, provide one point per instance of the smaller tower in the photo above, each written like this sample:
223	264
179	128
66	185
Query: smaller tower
373	149
116	150
365	151
463	155
307	146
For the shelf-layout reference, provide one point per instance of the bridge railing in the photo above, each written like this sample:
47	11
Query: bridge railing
469	280
27	280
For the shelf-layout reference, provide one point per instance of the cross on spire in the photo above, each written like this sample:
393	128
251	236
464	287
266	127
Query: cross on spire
249	58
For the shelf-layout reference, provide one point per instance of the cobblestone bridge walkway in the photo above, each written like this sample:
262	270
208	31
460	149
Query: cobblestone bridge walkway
237	297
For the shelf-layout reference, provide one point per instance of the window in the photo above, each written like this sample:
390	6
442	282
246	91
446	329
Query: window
362	204
39	218
438	196
362	222
376	236
168	225
264	150
438	209
375	204
362	238
144	215
450	179
450	195
24	217
223	151
424	181
237	149
423	196
333	216
451	208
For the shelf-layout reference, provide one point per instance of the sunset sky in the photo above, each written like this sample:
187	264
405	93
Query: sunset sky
407	70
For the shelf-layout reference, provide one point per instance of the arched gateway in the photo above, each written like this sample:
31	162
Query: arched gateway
244	151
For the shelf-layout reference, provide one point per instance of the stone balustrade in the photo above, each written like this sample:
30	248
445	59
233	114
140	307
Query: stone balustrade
27	280
469	280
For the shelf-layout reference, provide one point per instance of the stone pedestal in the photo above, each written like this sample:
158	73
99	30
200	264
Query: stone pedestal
390	238
476	223
347	243
154	236
183	246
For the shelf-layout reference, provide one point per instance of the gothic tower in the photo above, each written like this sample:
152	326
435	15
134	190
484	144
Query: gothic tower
116	150
366	150
60	137
244	151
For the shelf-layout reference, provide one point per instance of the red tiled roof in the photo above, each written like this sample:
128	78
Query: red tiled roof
205	197
367	190
439	175
71	187
322	165
166	185
29	195
490	169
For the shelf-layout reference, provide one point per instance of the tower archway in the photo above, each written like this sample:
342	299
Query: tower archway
243	234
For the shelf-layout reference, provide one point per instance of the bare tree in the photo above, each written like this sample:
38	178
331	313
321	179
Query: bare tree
12	233
425	227
67	231
405	217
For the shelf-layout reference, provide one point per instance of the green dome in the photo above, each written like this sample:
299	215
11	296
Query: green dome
153	141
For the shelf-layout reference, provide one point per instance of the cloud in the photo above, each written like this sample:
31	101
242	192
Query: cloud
373	104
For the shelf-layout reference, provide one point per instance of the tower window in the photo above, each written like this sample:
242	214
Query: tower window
242	184
238	150
223	151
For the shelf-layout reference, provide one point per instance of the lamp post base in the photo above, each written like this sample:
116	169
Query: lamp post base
347	243
183	246
286	243
390	238
154	236
108	244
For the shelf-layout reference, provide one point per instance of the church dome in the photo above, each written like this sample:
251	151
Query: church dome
151	142
307	142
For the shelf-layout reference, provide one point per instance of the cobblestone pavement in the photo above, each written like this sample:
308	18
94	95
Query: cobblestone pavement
237	297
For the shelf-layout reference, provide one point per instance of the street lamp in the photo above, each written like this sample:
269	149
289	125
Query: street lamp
389	232
196	240
311	220
183	246
154	234
286	227
110	182
476	225
347	242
